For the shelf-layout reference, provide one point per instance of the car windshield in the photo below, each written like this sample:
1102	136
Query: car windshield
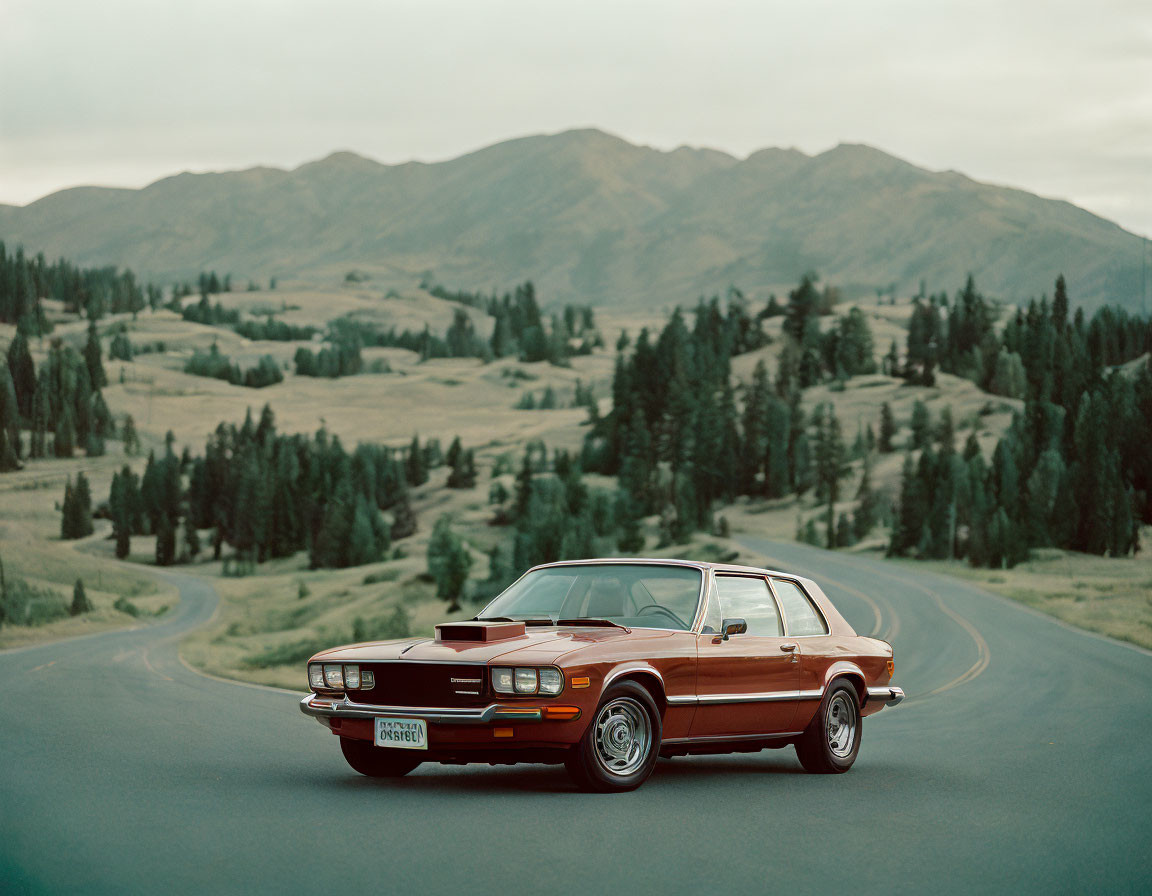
633	595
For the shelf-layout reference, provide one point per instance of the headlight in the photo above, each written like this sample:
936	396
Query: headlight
525	681
316	675
367	680
334	678
352	676
551	681
502	681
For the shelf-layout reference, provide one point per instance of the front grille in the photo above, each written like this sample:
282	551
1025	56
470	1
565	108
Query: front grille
424	684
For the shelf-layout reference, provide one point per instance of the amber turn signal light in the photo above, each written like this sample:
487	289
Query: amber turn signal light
891	666
502	732
581	682
564	713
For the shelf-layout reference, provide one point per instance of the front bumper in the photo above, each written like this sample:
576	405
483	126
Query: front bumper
321	707
887	695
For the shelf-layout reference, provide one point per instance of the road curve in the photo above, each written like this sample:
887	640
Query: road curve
1020	760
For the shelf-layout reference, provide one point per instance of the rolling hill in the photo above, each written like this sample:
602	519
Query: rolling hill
591	217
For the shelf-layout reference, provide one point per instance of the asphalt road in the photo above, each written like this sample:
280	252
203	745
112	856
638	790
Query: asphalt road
1021	761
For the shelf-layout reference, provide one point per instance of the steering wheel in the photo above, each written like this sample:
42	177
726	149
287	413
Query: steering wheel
656	608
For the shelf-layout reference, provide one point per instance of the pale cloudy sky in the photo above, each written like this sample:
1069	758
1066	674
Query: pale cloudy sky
1048	95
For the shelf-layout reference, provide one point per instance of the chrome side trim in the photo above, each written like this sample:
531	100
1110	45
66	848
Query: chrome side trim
619	673
766	697
346	709
888	695
724	738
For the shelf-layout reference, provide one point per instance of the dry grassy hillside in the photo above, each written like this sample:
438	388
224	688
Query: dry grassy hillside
274	618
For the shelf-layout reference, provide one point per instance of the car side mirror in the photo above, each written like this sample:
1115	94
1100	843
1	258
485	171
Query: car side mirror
732	627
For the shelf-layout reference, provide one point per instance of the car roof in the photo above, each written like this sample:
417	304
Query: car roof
702	565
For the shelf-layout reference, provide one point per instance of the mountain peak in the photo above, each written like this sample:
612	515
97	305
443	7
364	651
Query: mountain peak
591	217
342	158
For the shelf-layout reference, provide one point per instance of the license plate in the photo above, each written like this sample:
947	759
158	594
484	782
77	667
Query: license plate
405	734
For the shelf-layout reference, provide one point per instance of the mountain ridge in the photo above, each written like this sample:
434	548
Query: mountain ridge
592	217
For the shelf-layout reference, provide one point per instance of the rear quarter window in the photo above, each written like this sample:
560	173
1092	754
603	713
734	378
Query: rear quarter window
800	615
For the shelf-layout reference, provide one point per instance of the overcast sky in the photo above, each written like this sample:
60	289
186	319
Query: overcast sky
1054	97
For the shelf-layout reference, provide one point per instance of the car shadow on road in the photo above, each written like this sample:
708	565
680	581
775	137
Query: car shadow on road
456	780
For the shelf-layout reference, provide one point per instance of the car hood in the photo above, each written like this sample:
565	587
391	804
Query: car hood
535	646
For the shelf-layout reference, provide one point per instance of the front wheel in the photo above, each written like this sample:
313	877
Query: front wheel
376	762
620	747
831	741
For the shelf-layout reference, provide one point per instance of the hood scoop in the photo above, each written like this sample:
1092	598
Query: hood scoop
479	631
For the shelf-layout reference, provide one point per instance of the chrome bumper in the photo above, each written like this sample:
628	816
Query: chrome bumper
887	695
319	707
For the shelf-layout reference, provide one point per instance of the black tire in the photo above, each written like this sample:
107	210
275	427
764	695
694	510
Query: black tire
377	762
612	756
821	748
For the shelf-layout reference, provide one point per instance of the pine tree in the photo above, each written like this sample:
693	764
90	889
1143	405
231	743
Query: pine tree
165	542
912	511
130	436
416	463
93	358
80	602
64	444
363	545
191	540
23	371
41	415
828	451
448	562
921	425
10	444
403	518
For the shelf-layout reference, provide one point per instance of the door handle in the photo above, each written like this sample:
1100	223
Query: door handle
788	648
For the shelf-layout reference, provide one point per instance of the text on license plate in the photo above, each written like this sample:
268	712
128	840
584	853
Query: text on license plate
407	734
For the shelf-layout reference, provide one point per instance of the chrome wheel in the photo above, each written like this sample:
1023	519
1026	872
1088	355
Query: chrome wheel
842	723
623	736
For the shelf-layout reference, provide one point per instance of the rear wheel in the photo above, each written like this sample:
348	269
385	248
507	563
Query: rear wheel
620	747
831	742
377	762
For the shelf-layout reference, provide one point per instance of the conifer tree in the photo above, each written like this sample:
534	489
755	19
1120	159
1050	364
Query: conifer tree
130	436
93	358
80	602
23	372
921	425
448	562
10	444
403	518
416	463
64	443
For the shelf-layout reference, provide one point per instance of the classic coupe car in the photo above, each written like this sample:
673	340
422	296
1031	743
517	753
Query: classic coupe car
606	665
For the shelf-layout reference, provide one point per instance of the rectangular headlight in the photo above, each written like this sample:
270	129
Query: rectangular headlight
316	675
367	680
551	681
352	676
525	681
333	678
502	681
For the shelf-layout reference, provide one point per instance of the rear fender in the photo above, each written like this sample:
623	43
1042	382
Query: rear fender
850	671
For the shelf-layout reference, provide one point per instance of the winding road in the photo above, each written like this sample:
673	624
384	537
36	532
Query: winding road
1021	761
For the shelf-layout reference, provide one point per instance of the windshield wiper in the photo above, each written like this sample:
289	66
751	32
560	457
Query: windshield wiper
592	621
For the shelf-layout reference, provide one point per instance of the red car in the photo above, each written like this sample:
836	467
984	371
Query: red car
606	665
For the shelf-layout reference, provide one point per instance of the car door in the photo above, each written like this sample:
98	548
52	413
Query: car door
745	685
817	648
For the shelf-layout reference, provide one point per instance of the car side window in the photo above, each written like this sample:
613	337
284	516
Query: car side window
712	612
748	598
803	619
